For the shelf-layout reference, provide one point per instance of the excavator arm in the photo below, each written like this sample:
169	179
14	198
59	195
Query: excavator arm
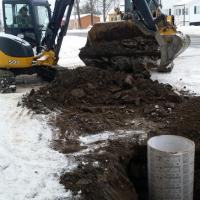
171	43
55	32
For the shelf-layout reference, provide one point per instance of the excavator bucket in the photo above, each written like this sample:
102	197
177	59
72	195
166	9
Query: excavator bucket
130	46
170	47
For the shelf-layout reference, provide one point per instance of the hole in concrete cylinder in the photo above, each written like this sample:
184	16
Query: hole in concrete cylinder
137	172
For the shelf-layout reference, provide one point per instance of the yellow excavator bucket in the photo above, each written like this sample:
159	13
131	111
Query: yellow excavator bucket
170	47
130	46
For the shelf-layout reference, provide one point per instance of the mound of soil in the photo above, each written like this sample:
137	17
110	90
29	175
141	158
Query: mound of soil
185	120
90	100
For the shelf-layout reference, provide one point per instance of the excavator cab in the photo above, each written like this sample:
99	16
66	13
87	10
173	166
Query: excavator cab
27	19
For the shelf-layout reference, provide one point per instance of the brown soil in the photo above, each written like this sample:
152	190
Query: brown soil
88	101
93	100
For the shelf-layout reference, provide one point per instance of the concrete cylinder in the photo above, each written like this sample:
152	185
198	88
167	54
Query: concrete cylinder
170	168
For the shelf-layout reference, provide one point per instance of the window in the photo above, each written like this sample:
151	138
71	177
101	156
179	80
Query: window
186	11
196	9
42	16
8	14
178	12
170	11
17	16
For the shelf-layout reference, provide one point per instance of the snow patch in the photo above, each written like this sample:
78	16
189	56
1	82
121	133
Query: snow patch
69	51
29	168
190	30
185	74
85	140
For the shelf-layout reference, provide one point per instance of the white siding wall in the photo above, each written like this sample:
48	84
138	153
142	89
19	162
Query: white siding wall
166	5
180	17
177	8
195	17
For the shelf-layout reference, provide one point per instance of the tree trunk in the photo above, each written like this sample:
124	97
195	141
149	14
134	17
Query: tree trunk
92	12
78	13
104	10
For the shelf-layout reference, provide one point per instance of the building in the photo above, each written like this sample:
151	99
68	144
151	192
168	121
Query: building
167	6
113	16
186	12
85	21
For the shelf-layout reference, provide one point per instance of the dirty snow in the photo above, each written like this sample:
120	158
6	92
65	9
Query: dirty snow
137	135
95	138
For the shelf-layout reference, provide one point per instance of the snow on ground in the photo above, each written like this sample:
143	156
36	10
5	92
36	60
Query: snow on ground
29	168
186	72
190	30
70	50
78	30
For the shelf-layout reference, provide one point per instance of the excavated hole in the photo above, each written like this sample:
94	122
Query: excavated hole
137	172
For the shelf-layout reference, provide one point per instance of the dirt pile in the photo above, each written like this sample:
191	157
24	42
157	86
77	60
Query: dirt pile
94	100
185	119
126	46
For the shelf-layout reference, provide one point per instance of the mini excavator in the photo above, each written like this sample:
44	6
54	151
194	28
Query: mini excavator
33	37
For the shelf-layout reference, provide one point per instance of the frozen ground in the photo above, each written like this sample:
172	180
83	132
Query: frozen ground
29	168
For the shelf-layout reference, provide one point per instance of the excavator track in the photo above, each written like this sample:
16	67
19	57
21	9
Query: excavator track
7	81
